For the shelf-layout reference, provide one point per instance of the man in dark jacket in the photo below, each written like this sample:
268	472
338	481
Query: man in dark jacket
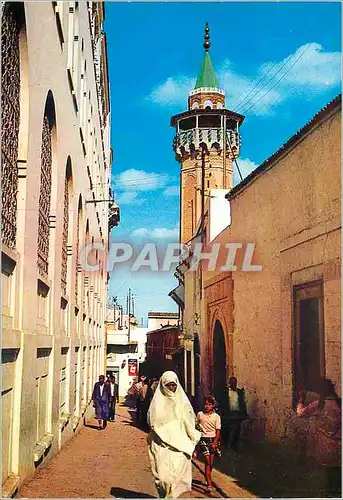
101	400
237	412
114	398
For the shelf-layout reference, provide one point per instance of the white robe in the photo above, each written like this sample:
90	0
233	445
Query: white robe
172	439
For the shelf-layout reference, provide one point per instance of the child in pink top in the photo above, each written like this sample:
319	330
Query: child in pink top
210	425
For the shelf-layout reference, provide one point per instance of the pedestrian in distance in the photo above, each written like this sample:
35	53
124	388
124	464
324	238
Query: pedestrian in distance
327	442
143	402
154	385
138	396
210	425
172	438
101	399
236	413
114	398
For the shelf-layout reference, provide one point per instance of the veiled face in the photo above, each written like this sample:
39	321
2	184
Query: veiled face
171	386
169	383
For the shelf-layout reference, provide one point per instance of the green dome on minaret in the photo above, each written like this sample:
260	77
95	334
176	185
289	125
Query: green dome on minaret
207	76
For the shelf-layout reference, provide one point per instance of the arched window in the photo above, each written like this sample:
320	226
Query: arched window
208	104
67	193
79	215
10	118
45	189
219	105
195	105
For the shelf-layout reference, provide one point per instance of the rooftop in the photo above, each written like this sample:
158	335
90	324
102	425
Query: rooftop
163	315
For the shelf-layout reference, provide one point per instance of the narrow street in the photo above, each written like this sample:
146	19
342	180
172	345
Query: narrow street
103	464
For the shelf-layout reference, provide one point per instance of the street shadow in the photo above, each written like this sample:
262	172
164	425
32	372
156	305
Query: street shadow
267	471
91	426
138	425
122	493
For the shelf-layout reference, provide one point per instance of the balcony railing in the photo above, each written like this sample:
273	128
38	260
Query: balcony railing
206	90
113	212
191	139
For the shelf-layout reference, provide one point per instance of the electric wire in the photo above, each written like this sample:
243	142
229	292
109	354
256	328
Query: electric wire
280	79
242	107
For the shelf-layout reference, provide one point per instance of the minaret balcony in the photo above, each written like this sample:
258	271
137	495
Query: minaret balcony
207	90
188	142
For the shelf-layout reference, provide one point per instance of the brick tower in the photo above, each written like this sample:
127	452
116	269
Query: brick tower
205	157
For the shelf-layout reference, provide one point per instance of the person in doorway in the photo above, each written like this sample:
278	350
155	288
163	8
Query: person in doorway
237	412
326	412
172	438
154	385
210	425
114	398
101	400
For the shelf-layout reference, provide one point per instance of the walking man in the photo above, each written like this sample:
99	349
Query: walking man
237	412
101	399
114	398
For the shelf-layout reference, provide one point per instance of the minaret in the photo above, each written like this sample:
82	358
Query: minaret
206	158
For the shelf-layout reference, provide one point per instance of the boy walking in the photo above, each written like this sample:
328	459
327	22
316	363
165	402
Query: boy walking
210	425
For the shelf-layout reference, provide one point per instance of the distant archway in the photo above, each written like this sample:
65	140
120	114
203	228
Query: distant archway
219	365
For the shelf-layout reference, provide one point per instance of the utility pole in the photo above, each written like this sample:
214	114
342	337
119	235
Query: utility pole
202	193
129	326
224	152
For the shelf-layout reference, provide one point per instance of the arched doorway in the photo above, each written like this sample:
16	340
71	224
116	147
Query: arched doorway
197	378
219	366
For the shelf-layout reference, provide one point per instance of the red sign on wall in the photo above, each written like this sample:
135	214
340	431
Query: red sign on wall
133	367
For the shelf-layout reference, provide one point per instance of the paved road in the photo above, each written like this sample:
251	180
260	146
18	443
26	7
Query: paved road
103	464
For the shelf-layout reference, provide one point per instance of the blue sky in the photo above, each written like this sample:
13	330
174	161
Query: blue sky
279	63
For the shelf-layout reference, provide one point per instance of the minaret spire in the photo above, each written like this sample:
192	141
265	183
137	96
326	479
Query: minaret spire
207	43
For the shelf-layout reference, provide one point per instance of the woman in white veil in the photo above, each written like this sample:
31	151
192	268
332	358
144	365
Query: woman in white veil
172	438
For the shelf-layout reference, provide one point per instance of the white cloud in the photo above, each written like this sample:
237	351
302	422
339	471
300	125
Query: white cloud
128	198
246	166
172	191
139	180
173	91
308	70
159	233
314	68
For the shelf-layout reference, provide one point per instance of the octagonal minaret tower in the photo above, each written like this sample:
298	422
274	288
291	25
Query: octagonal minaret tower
206	158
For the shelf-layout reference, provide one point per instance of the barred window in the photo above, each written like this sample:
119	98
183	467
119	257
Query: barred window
77	253
10	118
64	269
44	200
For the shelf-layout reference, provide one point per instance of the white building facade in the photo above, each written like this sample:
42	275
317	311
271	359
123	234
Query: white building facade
125	352
56	170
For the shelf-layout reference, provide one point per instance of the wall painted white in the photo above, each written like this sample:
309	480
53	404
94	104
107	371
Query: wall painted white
219	212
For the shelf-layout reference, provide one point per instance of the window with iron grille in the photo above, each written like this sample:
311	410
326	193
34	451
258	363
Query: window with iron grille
77	256
10	119
44	201
64	270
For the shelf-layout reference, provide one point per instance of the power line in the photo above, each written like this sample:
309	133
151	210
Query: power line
242	97
280	79
242	106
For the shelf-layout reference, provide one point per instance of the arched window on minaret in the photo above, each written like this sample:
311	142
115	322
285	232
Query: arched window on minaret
195	105
45	188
